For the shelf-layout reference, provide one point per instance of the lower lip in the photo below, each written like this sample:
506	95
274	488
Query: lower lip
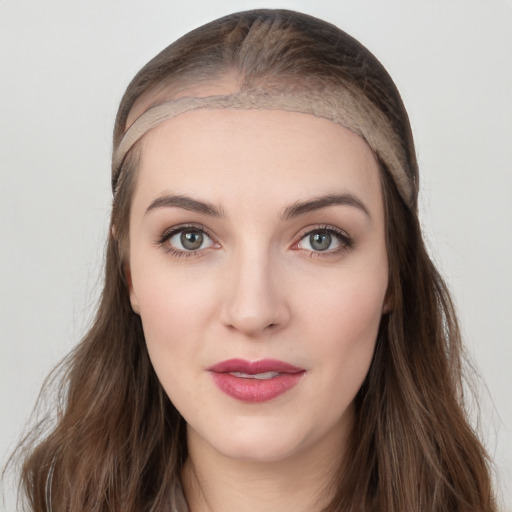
256	390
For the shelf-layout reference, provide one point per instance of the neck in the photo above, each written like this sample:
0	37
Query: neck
301	482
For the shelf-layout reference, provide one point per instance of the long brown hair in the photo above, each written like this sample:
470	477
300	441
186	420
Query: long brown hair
118	443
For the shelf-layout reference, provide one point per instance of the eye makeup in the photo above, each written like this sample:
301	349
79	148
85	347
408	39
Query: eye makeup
323	241
174	236
186	240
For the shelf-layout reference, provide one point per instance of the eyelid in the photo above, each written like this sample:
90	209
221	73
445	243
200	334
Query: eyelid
174	230
346	241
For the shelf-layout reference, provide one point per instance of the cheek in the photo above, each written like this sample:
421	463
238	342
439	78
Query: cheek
173	318
347	304
343	323
175	305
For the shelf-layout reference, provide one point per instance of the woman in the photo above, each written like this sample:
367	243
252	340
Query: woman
272	333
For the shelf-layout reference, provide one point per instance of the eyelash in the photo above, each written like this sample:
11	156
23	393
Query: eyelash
345	241
164	238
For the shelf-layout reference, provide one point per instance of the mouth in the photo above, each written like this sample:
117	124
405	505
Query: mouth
255	381
258	376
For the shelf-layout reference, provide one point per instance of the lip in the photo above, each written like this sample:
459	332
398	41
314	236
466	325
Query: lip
255	390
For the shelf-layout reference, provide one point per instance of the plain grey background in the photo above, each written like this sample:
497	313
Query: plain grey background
64	66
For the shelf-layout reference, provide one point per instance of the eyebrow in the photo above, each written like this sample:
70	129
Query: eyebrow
317	203
186	203
297	209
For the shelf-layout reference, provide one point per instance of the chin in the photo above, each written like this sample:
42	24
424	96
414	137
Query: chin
261	451
257	441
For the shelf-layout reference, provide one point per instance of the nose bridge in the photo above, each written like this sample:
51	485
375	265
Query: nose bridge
254	299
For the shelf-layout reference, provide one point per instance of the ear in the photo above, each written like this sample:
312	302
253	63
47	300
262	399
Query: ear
133	296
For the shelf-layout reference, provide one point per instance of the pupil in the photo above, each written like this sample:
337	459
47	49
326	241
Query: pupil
320	241
191	240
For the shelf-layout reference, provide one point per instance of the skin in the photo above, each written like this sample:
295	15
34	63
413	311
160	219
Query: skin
258	289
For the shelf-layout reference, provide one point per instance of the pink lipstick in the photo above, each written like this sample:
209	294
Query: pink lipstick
255	381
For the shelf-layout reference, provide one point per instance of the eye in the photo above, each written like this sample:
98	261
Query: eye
190	240
324	240
182	240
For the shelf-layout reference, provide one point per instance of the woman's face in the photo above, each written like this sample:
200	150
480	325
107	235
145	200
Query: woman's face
258	266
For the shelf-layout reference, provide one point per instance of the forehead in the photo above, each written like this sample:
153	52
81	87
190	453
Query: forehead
250	153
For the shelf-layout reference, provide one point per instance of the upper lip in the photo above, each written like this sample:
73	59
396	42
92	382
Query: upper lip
254	367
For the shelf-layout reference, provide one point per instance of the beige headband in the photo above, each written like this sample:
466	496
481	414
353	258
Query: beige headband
341	106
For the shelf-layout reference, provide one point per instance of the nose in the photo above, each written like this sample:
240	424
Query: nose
255	299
